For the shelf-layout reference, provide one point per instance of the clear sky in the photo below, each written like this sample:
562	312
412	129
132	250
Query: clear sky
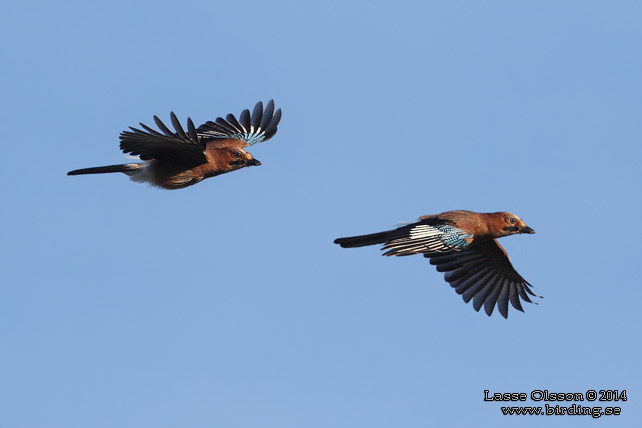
226	304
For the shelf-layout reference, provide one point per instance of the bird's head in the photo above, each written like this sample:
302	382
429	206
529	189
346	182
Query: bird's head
512	225
237	158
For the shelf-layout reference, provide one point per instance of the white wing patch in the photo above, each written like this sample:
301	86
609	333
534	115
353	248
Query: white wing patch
423	231
424	238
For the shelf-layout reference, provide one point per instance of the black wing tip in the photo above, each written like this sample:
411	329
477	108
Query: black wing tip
244	119
257	114
343	242
487	309
503	309
270	121
270	118
179	131
262	116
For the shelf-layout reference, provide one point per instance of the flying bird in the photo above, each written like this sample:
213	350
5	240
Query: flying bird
177	159
464	245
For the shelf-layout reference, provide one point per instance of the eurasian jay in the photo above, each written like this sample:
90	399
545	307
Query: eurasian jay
463	244
173	160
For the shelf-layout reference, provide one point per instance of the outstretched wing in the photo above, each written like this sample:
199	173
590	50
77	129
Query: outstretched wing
179	146
426	236
484	274
261	125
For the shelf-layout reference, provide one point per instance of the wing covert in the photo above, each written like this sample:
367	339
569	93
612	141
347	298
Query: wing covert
427	236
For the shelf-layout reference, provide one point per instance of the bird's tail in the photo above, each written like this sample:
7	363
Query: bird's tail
126	168
363	240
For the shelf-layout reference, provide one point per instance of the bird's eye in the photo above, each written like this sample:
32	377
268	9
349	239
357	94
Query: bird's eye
512	220
237	155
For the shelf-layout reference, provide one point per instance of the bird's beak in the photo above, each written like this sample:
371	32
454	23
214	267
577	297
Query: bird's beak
253	162
526	230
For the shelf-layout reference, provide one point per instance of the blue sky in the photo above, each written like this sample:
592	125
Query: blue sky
226	303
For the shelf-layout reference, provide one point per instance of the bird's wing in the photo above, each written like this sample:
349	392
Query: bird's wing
484	274
261	125
426	236
179	146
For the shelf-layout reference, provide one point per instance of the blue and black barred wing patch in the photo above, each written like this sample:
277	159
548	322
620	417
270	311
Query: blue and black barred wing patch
484	274
253	128
175	146
426	238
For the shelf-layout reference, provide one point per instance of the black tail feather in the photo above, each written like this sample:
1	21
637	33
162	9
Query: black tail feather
363	240
105	169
